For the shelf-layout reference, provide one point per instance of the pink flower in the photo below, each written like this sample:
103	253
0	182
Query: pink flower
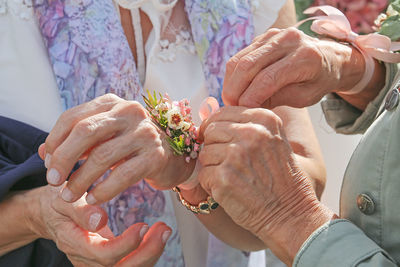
187	141
187	159
361	13
196	147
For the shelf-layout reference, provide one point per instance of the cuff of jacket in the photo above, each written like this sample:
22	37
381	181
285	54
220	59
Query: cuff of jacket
346	119
337	243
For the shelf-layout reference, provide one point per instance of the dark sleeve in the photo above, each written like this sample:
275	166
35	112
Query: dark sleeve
20	165
22	169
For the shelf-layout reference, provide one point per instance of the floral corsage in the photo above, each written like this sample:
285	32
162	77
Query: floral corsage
175	118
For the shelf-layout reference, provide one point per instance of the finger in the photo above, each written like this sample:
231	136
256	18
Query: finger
90	218
106	232
240	115
41	151
305	93
250	65
271	79
70	117
151	248
206	176
220	132
120	246
212	154
84	135
123	176
240	64
92	247
100	159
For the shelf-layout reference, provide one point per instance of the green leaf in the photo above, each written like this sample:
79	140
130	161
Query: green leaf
391	27
395	5
302	5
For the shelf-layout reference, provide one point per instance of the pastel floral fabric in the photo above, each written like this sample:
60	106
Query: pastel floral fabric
91	56
220	29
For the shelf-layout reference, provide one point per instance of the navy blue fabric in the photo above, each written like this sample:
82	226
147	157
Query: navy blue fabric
20	166
22	169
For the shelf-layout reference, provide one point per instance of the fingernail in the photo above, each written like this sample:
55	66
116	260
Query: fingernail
47	160
67	194
90	199
165	236
53	177
94	220
143	231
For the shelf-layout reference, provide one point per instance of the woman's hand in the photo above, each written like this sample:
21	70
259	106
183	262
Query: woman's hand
287	67
73	228
111	133
250	170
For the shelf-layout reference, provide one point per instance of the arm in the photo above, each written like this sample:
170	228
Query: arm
14	228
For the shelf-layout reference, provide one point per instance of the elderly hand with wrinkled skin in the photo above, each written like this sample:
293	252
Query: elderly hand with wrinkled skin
251	171
80	231
288	67
110	133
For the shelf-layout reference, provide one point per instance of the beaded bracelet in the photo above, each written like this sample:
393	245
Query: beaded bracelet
204	207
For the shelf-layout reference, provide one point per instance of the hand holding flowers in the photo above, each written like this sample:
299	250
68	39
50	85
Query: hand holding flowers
175	118
110	133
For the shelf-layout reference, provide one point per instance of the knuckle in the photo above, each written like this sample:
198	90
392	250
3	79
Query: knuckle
135	109
102	154
107	98
267	78
86	127
246	63
293	34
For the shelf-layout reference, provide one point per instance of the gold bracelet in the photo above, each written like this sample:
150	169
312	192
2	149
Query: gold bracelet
204	207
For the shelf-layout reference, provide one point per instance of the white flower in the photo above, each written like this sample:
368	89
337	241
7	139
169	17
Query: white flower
175	118
185	126
162	107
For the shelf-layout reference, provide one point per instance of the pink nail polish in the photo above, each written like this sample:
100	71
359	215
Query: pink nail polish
67	195
53	177
94	220
143	231
166	235
90	199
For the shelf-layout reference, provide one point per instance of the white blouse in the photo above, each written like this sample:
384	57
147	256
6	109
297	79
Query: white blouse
29	93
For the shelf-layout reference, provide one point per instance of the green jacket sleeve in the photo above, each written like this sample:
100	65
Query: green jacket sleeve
341	243
346	119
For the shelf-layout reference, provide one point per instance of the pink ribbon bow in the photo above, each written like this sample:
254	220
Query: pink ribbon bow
374	45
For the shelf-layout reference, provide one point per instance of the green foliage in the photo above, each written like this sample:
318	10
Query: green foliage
395	5
391	27
302	5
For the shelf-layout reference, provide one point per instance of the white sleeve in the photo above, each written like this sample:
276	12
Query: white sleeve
265	13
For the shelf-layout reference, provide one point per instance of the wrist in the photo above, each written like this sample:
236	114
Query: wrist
33	216
352	68
301	218
28	201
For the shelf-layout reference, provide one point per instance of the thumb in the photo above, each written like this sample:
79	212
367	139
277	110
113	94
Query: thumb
89	217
